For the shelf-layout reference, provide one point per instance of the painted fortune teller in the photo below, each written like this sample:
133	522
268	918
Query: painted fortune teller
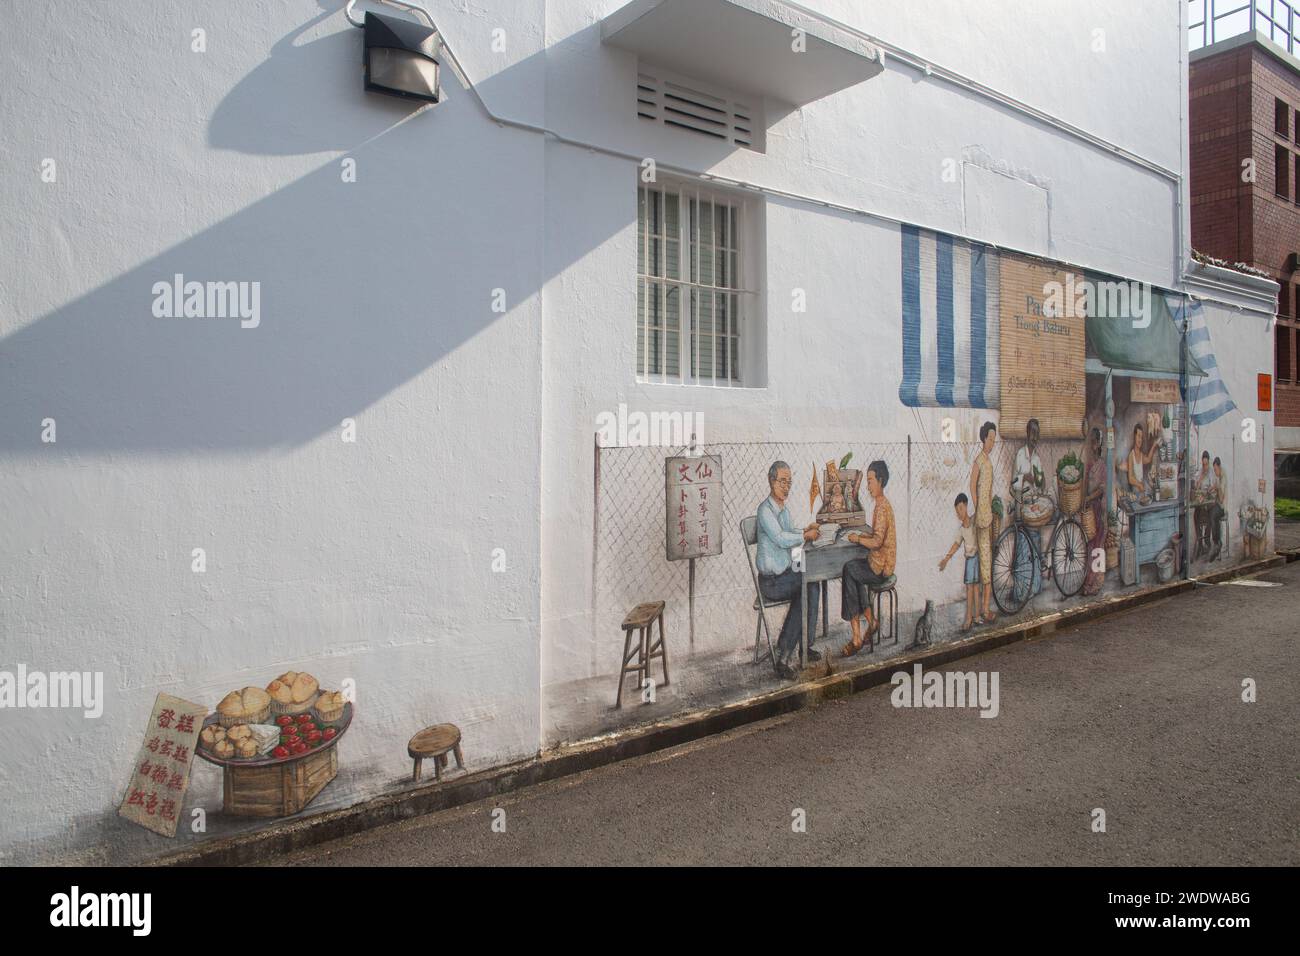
777	578
873	569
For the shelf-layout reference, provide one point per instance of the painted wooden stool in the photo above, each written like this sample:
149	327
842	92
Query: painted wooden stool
642	619
435	742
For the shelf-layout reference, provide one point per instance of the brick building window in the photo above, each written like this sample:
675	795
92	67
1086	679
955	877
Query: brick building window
1282	171
1297	180
1285	341
1287	333
1297	126
1281	119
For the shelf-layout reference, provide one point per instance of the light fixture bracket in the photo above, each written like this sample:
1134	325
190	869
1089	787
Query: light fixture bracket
401	55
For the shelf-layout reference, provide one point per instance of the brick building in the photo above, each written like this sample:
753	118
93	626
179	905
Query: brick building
1244	127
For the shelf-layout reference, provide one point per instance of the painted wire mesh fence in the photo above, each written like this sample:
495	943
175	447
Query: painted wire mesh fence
631	567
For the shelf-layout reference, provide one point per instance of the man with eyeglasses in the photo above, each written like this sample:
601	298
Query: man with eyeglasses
777	578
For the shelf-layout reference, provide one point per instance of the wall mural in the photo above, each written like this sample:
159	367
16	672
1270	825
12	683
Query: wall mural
276	748
1089	419
1081	359
1084	417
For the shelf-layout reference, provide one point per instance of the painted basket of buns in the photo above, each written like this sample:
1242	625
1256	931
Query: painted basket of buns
252	705
329	706
292	693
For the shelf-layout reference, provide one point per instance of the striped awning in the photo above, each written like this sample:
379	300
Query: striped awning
1208	398
951	323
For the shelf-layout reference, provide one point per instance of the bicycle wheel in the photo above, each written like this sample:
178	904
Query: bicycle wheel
1013	569
1069	550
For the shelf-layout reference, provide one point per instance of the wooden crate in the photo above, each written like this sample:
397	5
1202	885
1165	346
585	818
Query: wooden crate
280	790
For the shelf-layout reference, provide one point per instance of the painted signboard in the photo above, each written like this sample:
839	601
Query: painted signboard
1042	350
1154	391
692	507
161	773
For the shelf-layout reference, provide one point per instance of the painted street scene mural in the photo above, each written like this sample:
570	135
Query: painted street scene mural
1078	443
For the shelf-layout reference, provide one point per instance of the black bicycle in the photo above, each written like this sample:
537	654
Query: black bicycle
1014	555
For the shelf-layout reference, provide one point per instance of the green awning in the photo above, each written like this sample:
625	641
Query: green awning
1117	342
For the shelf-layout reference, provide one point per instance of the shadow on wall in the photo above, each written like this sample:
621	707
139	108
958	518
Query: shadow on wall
363	285
289	103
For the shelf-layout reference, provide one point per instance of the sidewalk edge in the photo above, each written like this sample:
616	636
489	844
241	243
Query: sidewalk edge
577	757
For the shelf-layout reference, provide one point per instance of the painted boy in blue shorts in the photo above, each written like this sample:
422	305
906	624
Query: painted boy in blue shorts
966	541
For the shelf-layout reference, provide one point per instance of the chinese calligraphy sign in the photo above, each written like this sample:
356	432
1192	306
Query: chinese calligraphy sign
161	773
693	507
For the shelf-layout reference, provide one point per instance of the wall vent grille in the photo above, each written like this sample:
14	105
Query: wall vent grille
696	107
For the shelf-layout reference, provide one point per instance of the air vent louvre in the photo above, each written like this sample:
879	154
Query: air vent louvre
696	107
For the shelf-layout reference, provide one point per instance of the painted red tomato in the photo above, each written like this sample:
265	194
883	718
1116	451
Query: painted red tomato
290	731
329	733
280	752
284	720
304	718
298	748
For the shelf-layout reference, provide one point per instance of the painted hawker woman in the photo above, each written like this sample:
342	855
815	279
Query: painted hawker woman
1095	501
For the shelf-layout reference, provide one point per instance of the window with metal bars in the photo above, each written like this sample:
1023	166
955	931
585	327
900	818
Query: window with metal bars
1284	335
1286	332
692	299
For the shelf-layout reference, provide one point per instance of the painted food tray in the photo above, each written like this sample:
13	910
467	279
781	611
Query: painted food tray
340	727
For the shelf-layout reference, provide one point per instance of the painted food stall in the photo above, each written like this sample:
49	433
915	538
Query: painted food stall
1135	359
277	748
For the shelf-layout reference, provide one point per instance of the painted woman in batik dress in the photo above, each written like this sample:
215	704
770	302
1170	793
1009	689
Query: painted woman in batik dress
1094	500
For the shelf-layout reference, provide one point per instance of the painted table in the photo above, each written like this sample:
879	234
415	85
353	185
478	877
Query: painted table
1153	526
824	564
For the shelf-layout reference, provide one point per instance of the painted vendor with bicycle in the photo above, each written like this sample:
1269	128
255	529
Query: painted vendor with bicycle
1028	480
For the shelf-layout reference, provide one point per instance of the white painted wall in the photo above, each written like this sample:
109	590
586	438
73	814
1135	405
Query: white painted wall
369	560
1242	337
373	560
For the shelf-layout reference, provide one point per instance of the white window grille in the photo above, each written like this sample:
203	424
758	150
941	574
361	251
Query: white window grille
693	302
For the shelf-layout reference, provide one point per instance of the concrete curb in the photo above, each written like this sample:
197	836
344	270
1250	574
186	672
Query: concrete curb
588	755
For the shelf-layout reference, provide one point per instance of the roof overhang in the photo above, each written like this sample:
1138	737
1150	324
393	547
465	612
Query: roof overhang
745	45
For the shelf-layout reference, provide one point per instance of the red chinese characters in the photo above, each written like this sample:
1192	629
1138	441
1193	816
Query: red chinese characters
694	512
161	771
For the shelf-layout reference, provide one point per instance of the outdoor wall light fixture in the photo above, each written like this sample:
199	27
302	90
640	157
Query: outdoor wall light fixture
401	55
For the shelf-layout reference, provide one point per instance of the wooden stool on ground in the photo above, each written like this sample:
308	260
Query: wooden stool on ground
641	619
435	742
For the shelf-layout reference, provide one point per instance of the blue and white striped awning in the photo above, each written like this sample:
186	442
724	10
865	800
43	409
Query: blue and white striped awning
951	324
1207	398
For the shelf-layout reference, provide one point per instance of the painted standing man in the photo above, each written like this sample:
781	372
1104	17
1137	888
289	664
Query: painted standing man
873	570
981	492
1219	509
777	578
1203	484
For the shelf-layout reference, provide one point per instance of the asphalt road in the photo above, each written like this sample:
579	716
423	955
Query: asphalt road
1140	714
